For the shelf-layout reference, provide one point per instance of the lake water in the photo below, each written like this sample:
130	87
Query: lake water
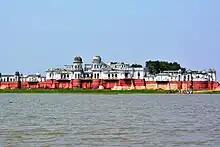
66	120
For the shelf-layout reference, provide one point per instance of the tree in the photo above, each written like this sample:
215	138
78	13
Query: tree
136	66
155	67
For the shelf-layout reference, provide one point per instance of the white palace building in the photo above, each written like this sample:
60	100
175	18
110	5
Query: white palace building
109	75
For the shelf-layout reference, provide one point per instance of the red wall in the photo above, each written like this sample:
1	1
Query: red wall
107	84
200	85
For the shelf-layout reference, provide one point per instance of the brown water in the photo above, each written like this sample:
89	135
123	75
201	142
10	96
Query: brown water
28	120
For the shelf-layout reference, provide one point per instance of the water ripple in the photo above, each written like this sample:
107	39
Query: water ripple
116	120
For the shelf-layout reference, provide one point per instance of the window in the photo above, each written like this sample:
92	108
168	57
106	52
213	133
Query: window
75	76
75	66
179	78
138	75
112	75
108	75
184	78
116	75
97	75
188	77
126	75
94	76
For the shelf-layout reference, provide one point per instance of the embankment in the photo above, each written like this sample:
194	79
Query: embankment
82	91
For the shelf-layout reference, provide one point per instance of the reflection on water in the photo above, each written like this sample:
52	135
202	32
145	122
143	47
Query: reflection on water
109	120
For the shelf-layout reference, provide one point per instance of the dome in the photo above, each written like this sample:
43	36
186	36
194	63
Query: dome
37	74
97	59
17	73
77	59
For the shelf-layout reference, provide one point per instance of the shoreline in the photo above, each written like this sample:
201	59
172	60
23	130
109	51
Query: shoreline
85	91
207	92
102	91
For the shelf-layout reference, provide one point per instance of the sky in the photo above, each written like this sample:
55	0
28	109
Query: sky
39	34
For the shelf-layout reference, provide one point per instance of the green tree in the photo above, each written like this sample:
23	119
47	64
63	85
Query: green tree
155	67
136	65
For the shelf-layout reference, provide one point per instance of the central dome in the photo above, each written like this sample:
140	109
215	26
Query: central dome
97	59
77	59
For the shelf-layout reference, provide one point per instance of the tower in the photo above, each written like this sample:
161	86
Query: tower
96	67
77	63
18	79
77	72
78	67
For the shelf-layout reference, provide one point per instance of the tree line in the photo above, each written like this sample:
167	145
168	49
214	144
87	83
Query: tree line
155	67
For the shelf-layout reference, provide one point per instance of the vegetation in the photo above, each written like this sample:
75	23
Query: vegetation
207	92
155	67
136	66
83	91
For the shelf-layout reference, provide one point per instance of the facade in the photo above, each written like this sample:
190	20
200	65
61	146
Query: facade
113	75
96	70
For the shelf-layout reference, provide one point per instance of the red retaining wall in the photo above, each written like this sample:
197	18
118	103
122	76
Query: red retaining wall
107	84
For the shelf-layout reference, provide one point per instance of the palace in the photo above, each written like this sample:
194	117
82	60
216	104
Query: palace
113	75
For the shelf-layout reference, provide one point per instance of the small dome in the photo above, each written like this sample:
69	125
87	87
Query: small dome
37	74
77	59
203	71
97	59
189	71
17	73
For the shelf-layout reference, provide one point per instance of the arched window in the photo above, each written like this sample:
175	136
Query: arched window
188	78
138	75
97	75
179	77
184	78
